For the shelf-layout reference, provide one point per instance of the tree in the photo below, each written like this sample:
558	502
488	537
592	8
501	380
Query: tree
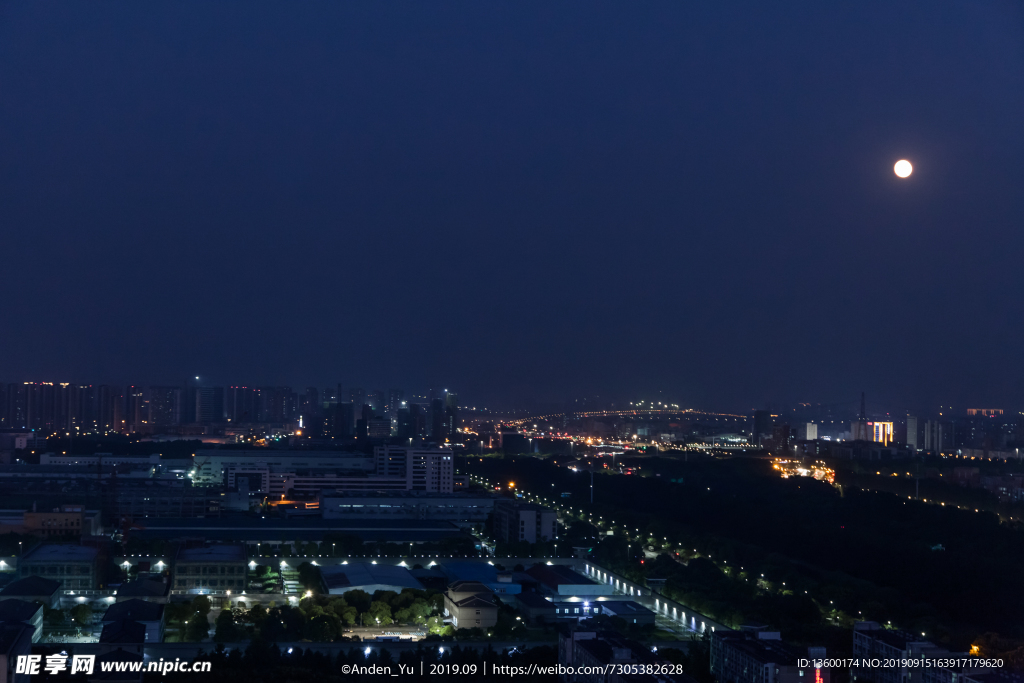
359	599
197	628
421	609
323	628
202	605
54	617
227	631
381	612
435	626
256	614
82	614
309	577
178	612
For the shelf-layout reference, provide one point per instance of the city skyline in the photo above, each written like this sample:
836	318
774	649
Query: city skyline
696	201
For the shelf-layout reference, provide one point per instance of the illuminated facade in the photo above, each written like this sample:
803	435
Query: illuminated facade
881	432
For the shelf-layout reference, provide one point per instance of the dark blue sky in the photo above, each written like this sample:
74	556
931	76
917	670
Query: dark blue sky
518	200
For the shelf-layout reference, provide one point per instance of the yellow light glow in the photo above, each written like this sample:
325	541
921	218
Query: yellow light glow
903	168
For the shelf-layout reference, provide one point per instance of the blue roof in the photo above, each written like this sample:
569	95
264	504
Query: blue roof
354	575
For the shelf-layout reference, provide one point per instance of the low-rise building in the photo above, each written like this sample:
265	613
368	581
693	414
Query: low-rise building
150	588
470	604
14	611
515	521
130	636
213	567
76	567
593	656
762	657
558	579
535	607
366	576
15	641
500	583
149	614
872	641
61	522
34	589
452	507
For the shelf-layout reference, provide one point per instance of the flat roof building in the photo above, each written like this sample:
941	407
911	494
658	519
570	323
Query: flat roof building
559	579
453	507
74	566
517	521
34	589
368	577
213	567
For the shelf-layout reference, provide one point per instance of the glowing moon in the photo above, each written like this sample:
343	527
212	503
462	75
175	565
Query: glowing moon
903	168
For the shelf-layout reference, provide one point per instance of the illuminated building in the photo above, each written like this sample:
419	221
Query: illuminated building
881	432
984	412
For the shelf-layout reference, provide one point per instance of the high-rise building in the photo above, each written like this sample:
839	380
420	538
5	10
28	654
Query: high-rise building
164	406
762	428
378	428
375	399
209	405
338	420
405	427
451	414
241	405
912	441
331	394
107	413
396	397
437	431
137	409
309	406
881	432
933	436
357	397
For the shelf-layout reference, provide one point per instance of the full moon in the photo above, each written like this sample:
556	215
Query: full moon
903	168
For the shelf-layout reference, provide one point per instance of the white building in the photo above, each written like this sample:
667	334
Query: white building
516	521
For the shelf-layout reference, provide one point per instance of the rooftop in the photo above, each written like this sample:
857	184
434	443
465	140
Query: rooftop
60	553
225	552
150	586
357	574
469	571
31	586
470	586
764	650
623	607
424	495
254	529
534	600
10	634
123	631
134	610
17	610
555	575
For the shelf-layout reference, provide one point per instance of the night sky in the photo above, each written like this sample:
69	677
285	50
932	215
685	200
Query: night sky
518	201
